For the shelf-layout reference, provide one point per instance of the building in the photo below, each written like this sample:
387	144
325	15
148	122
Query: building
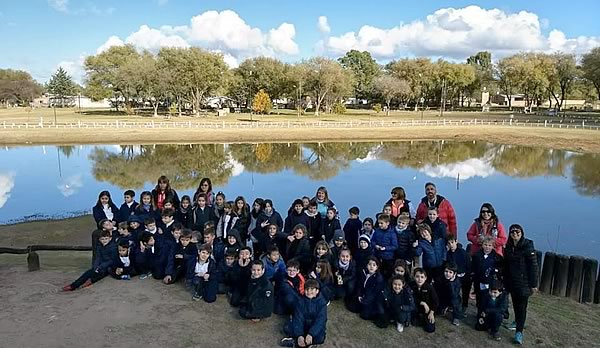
48	100
517	100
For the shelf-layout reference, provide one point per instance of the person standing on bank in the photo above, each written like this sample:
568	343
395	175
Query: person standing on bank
445	209
163	192
520	274
487	224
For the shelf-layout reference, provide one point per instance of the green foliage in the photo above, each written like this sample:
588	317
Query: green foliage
377	107
339	108
590	66
61	85
364	68
262	103
326	81
172	109
17	86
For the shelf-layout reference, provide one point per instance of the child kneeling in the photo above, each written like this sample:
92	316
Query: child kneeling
398	304
491	312
258	302
308	324
202	275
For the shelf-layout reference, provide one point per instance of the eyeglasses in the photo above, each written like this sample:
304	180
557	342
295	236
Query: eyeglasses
516	231
485	212
393	193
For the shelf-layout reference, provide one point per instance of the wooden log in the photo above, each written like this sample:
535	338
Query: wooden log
575	278
547	272
33	261
590	270
561	273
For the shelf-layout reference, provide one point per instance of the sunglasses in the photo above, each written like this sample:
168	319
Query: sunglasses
516	231
485	211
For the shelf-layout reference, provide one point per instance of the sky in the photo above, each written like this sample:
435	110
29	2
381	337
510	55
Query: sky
40	35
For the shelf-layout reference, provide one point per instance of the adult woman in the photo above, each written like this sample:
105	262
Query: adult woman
163	192
105	208
487	224
205	186
520	274
400	204
323	201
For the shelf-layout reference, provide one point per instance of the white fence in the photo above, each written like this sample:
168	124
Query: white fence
299	124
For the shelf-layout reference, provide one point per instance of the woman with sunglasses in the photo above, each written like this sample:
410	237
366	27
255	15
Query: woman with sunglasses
520	275
400	204
487	224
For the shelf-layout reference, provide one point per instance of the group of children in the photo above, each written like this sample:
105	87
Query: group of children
296	266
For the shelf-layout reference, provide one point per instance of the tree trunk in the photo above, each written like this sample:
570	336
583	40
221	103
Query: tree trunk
155	106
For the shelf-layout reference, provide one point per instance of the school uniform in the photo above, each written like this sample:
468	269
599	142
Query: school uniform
225	277
274	271
126	210
218	251
314	228
448	292
225	225
130	239
265	241
287	293
101	266
397	307
176	260
299	249
200	216
439	228
494	310
259	299
484	270
369	294
362	257
294	219
462	259
426	293
184	217
240	277
235	247
327	288
207	289
273	218
110	212
152	259
345	280
309	318
147	211
328	228
126	263
406	239
352	229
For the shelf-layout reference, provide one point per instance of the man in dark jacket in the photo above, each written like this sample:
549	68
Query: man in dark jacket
309	320
259	299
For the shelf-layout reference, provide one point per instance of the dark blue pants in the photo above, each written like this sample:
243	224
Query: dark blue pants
493	321
206	288
89	274
287	329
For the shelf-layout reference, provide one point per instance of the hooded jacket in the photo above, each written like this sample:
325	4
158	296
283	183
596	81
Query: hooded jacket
362	255
434	252
294	219
520	266
387	239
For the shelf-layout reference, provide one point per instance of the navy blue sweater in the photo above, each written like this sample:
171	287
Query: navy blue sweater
310	317
104	257
462	260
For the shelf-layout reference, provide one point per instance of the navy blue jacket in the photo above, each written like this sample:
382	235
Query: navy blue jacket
117	263
125	211
448	292
371	291
352	229
265	241
310	317
275	218
434	253
260	298
362	257
314	226
405	249
99	214
274	271
300	251
491	307
484	271
438	227
202	216
294	219
157	261
185	218
347	276
462	259
328	228
395	303
104	257
191	269
425	294
143	213
387	239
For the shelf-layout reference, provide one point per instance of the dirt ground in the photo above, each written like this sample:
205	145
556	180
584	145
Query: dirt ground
147	313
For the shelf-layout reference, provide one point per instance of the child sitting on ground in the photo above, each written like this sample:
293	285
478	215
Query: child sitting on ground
289	290
323	274
322	253
102	264
398	304
201	275
493	305
308	325
241	273
122	266
275	269
371	285
426	301
124	234
258	302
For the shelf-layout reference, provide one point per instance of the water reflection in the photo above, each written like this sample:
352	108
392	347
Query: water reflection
7	182
133	165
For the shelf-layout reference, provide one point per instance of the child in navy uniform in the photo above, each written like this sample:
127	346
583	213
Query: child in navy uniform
364	252
324	276
289	289
438	227
183	214
339	242
296	216
299	248
352	229
448	290
345	276
168	221
145	209
493	305
314	227
102	264
406	239
398	304
125	235
226	273
174	269
259	299
322	253
128	207
426	301
241	273
202	213
308	325
385	243
232	241
330	225
486	267
150	257
370	286
462	259
122	266
202	275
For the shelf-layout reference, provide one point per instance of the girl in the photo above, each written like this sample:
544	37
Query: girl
426	301
345	276
146	209
367	227
226	221
274	237
305	202
323	201
205	187
105	208
487	224
242	210
323	274
202	276
371	285
401	268
387	210
433	251
184	213
330	225
254	214
219	205
162	192
364	252
398	303
298	248
268	216
399	203
323	253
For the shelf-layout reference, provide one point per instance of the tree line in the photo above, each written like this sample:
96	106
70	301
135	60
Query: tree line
183	78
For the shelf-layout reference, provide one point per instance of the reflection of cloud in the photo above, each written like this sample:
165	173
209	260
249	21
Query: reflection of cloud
467	169
133	150
237	167
68	186
7	182
371	155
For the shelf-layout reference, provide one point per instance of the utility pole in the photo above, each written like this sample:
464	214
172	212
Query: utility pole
443	97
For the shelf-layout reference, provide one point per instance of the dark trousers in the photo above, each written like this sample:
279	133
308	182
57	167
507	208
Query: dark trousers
89	274
287	329
493	321
420	319
520	308
206	288
130	271
466	284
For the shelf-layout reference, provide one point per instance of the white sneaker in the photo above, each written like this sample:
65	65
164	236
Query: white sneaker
400	327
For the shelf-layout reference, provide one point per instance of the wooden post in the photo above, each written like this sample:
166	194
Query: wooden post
33	261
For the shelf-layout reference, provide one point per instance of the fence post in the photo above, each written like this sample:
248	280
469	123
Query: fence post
590	269
561	272
575	278
547	272
33	261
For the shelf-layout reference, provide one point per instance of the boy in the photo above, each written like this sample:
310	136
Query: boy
168	221
103	225
493	305
150	258
426	301
438	227
151	227
124	234
406	238
218	249
448	290
385	243
275	269
102	263
258	302
226	270
202	213
232	241
240	276
485	268
122	266
295	217
289	289
330	225
309	321
135	227
128	207
201	275
339	242
174	269
314	227
462	259
365	251
352	229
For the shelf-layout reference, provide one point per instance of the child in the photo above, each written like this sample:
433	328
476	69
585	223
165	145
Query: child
330	225
433	251
493	305
173	269
308	325
259	299
136	227
289	289
145	209
438	227
385	243
103	225
352	229
184	213
219	206
426	301
296	216
365	251
367	227
128	207
124	234
299	249
168	219
226	273
202	213
105	208
102	263
323	274
275	269
240	277
151	227
201	275
227	221
122	266
339	242
232	242
406	239
314	227
345	276
462	259
371	285
398	304
150	257
264	241
218	249
322	253
486	267
402	269
387	210
448	290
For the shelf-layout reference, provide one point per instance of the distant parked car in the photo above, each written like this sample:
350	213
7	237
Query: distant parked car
552	112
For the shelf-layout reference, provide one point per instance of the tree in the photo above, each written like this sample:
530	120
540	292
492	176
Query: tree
562	76
482	63
364	68
532	69
61	85
204	73
326	78
17	86
419	73
507	76
390	87
265	73
590	66
262	103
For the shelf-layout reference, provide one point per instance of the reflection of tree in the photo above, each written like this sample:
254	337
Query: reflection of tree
585	172
324	160
185	165
421	153
266	157
66	150
523	161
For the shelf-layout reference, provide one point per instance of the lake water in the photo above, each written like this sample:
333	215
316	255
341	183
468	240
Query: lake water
554	194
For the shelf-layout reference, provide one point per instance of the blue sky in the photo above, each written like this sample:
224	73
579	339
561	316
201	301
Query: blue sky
40	35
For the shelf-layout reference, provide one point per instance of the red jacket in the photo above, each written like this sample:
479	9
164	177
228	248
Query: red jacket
497	231
445	212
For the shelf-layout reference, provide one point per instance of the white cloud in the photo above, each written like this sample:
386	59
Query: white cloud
153	39
323	25
282	39
75	68
112	41
7	183
457	33
59	5
474	167
69	186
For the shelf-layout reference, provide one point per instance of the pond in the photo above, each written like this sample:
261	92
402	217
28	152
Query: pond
554	194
